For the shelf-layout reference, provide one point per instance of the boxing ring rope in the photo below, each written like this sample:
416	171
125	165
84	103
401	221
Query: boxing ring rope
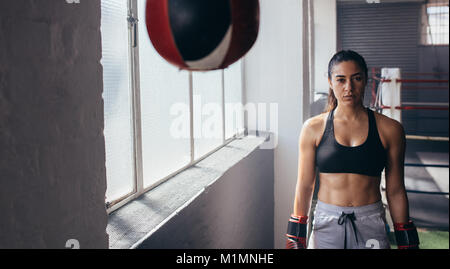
437	106
416	107
414	80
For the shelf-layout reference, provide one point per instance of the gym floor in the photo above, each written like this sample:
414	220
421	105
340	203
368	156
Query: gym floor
429	239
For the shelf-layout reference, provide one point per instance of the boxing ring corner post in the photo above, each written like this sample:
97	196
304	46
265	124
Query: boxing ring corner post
388	96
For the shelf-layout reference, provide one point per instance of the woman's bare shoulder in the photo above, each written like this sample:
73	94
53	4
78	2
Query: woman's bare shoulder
313	127
316	122
386	122
389	129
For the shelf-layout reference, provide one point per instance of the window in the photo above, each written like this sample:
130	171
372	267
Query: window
435	26
149	104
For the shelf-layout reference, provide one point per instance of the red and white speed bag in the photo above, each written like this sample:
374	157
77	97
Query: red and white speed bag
202	34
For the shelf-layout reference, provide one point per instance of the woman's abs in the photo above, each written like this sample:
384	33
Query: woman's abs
348	189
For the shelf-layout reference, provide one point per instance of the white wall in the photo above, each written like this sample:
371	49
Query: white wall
273	74
325	39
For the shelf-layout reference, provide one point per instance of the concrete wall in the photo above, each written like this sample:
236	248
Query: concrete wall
52	155
273	74
235	212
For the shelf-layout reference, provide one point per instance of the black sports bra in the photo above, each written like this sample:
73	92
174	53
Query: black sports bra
368	158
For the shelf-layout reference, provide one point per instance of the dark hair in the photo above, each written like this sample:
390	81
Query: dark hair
339	57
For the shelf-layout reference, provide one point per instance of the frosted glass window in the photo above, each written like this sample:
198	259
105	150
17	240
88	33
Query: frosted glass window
208	130
165	108
438	25
117	100
435	23
234	121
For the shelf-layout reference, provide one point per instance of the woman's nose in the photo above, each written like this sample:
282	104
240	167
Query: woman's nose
349	85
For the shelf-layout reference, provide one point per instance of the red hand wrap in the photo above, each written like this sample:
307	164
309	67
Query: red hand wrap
296	233
406	235
404	226
299	219
293	244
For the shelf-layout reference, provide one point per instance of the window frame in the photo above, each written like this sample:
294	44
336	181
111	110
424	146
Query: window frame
425	30
138	180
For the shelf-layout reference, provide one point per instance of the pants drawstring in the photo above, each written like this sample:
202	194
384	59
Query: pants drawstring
343	221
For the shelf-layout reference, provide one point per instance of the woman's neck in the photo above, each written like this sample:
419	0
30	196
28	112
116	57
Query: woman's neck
350	113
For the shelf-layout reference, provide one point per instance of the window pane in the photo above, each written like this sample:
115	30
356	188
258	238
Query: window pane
437	22
207	89
117	100
165	111
233	100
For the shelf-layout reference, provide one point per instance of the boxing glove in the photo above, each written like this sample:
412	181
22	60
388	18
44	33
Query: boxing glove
406	235
296	232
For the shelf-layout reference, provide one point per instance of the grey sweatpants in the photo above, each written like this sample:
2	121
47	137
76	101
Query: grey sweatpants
337	227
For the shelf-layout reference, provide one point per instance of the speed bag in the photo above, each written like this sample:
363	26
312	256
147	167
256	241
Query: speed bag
202	34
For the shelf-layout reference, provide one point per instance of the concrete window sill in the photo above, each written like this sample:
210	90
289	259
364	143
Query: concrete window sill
131	224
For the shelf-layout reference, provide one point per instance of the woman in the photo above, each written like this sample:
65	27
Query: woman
350	145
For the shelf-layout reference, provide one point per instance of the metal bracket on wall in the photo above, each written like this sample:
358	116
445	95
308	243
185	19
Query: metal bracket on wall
133	22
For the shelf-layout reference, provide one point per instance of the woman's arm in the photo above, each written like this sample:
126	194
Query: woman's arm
405	232
296	232
306	168
394	172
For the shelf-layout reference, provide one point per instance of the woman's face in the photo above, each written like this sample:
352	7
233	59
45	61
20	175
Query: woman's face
348	83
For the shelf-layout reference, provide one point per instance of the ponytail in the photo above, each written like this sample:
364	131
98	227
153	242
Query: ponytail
332	101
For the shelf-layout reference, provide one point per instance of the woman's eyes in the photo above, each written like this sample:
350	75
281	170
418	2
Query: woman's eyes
341	80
